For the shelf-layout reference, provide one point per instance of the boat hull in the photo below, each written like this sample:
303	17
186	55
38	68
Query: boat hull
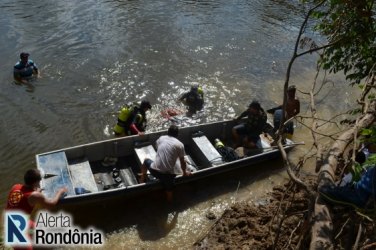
82	166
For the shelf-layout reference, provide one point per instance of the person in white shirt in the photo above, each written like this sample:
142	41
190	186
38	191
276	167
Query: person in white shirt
169	149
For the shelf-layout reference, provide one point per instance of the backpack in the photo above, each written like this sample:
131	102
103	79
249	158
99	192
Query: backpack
123	117
228	154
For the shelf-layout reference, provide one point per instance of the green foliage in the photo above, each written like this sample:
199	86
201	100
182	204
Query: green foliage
356	171
368	135
371	160
350	26
367	132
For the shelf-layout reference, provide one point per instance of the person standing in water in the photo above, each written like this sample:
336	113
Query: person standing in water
25	68
194	99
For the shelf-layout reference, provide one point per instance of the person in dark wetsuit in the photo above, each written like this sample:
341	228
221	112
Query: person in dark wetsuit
137	121
194	99
132	119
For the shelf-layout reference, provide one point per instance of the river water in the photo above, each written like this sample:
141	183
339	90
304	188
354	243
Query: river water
94	56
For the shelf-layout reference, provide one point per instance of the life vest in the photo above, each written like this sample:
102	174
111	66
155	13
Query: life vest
18	198
123	118
139	119
200	91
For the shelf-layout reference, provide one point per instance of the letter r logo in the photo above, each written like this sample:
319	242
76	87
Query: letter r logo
16	228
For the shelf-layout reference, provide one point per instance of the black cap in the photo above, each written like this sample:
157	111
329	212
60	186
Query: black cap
24	54
145	104
255	105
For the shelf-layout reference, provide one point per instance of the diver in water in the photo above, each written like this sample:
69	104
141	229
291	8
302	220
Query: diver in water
194	99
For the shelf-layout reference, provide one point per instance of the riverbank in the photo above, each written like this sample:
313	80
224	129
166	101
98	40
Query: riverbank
279	221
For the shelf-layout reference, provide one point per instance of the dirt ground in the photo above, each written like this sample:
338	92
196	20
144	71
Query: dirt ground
283	221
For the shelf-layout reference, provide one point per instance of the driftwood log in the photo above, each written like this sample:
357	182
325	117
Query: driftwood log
322	237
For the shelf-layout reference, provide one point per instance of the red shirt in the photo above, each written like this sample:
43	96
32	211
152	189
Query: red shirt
18	198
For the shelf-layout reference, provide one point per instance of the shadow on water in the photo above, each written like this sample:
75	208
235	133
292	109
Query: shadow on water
154	218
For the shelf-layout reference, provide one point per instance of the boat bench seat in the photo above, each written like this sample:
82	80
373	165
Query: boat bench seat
149	152
55	174
205	151
145	152
82	176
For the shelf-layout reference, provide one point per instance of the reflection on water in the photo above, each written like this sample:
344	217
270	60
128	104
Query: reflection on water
95	56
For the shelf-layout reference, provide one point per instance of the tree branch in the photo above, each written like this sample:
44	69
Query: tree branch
322	227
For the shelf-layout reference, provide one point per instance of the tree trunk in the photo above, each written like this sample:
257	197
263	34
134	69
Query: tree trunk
322	237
